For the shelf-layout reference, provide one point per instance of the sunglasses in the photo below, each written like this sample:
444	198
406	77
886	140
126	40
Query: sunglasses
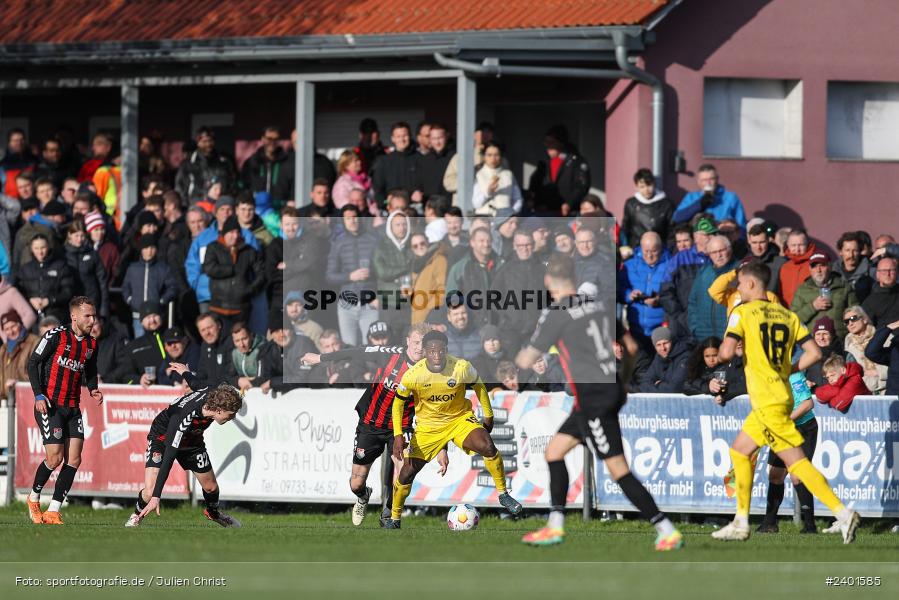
851	319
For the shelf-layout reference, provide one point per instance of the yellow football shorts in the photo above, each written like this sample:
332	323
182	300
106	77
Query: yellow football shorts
425	445
771	426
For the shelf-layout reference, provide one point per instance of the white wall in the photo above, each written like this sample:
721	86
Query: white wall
863	120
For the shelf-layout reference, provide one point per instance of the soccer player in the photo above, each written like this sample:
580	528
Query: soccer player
443	414
375	427
61	359
580	326
177	434
769	332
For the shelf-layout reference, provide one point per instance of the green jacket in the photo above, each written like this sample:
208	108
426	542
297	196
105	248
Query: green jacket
841	296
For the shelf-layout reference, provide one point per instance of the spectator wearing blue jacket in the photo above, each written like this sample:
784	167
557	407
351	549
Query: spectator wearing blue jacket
712	198
678	282
147	279
706	317
644	274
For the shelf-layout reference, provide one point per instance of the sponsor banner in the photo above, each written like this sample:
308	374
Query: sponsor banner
678	447
299	448
115	442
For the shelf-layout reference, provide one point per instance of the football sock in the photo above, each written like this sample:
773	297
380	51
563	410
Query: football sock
556	520
743	483
211	499
806	504
141	504
775	498
817	485
400	493
63	485
494	464
642	499
558	484
40	480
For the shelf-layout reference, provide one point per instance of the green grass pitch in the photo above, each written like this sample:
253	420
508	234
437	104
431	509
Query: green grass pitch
324	556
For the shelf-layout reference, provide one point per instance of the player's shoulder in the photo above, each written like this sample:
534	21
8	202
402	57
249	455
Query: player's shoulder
56	331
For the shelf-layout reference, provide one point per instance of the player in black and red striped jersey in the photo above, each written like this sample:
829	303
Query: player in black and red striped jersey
375	428
64	359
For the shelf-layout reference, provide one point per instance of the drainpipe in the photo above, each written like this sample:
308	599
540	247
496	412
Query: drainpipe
492	67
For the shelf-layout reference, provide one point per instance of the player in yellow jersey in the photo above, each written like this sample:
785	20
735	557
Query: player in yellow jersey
769	333
437	386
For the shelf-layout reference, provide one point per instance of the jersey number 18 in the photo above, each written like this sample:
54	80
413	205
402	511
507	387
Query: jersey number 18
775	342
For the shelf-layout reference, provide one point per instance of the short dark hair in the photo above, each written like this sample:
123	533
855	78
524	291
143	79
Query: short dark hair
350	208
205	130
560	266
42	181
25	175
320	181
438	204
241	326
154	200
206	315
400	193
150	179
422	125
683	228
454	211
290	211
644	175
849	236
758	229
79	301
758	270
400	125
246	197
706	167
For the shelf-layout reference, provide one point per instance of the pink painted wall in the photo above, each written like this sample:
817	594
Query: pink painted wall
811	40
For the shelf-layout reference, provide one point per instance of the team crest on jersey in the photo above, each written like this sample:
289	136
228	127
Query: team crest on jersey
157	457
360	453
68	347
451	382
57	432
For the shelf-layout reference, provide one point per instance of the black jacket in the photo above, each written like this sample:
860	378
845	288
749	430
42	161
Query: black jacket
735	376
215	365
197	171
91	279
877	351
700	385
640	217
233	283
882	305
146	351
191	358
570	187
322	168
148	281
665	374
261	174
431	167
51	279
174	245
113	355
395	170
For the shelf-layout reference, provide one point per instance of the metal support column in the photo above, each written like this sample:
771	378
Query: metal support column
11	448
130	144
305	150
466	105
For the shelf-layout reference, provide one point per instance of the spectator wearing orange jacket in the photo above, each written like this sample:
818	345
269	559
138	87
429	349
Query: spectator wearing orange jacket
796	270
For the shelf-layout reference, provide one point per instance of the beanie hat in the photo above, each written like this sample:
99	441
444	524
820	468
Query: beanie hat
231	224
93	220
660	334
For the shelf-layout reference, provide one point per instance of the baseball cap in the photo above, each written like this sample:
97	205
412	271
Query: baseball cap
378	329
817	259
174	334
705	226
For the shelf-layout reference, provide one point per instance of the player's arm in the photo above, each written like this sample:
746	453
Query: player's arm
178	424
403	394
42	354
90	377
629	350
733	335
472	378
811	354
527	357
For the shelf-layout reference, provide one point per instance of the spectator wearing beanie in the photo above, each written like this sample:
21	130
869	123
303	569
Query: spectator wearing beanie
825	334
668	369
46	281
147	279
14	354
147	351
34	223
95	226
236	274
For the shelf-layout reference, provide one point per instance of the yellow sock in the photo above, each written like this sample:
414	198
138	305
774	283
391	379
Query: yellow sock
742	481
495	466
815	483
400	493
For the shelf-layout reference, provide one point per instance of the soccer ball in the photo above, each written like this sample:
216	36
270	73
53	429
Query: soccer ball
462	517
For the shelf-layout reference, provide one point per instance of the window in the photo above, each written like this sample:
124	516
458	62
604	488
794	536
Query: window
752	118
862	120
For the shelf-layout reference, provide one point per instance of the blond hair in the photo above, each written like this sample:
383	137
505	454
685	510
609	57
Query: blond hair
834	364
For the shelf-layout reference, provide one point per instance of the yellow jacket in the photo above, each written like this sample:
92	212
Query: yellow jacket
724	291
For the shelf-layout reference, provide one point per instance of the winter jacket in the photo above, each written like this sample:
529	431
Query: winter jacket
262	174
859	280
596	268
14	365
113	355
464	343
346	183
174	248
735	376
51	279
855	350
725	205
676	287
191	358
90	275
507	194
195	175
345	256
428	282
11	165
646	214
794	272
882	305
274	359
724	291
303	258
815	373
705	316
322	168
700	385
841	297
513	280
9	216
235	275
430	170
878	351
665	374
145	281
397	170
468	275
146	351
215	365
249	365
648	279
840	395
12	299
21	247
392	259
775	262
196	277
570	186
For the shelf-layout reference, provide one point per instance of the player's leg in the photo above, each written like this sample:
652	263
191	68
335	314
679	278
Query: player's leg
368	445
209	485
71	461
358	477
750	438
402	487
777	473
51	435
803	495
143	496
559	446
474	438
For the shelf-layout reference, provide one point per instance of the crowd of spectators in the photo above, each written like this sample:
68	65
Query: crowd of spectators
215	264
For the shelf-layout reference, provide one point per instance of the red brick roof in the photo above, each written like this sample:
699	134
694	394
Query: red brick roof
61	21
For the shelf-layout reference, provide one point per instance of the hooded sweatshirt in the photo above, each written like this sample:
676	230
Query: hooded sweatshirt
392	258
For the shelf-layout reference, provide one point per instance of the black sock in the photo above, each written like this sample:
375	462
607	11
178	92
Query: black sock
211	499
360	493
141	504
806	504
640	498
558	484
41	477
64	482
775	497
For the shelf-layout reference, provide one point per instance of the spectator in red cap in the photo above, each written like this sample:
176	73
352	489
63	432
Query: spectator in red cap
14	354
824	293
796	270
